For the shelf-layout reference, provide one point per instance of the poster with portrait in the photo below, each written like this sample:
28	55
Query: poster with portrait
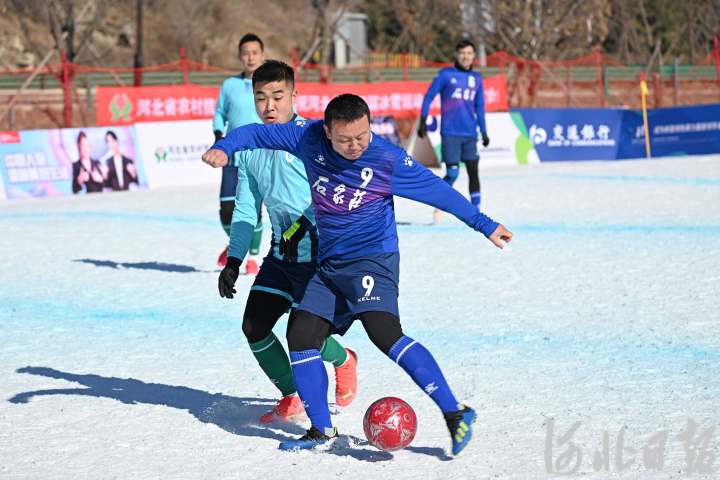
72	161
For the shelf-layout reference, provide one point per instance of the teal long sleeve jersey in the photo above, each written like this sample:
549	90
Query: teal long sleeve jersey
235	105
280	180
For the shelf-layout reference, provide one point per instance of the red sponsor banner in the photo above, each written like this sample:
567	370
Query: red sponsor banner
496	99
126	105
398	99
9	136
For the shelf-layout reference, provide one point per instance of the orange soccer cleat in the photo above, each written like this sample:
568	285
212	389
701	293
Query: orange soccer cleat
288	408
346	380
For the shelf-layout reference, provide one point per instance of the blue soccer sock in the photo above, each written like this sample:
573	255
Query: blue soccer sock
419	363
475	199
312	383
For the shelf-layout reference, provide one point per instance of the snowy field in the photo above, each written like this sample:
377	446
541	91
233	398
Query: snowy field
599	323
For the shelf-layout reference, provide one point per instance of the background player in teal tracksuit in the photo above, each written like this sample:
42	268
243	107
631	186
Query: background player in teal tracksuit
235	107
353	176
462	104
280	181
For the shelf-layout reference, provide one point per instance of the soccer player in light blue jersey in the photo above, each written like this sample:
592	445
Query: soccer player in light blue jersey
280	181
353	176
462	104
235	107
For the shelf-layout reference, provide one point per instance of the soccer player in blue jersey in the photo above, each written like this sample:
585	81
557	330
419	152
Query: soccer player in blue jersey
353	176
462	106
235	107
280	181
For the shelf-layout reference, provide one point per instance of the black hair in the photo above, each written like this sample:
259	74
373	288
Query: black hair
464	43
346	108
273	71
80	136
112	134
251	37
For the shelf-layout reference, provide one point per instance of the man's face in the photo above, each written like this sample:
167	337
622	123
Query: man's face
112	144
252	56
274	101
84	148
350	139
465	56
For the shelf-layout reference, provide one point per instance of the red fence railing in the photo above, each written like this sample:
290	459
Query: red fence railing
595	79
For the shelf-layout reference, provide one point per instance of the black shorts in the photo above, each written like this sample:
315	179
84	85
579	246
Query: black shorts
287	279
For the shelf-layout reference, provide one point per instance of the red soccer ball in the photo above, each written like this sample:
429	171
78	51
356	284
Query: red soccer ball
390	424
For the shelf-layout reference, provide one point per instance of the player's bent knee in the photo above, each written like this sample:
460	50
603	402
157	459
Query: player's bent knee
383	329
306	331
262	311
255	330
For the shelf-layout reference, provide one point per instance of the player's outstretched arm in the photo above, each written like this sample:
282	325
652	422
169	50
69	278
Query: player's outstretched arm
414	181
285	137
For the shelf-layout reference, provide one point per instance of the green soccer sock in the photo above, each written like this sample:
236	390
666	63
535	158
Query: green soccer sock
227	229
274	361
333	352
256	239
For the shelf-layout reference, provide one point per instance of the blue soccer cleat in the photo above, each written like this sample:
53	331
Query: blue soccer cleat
313	438
460	425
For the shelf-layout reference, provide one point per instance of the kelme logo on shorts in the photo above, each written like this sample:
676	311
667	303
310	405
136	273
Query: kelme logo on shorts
121	107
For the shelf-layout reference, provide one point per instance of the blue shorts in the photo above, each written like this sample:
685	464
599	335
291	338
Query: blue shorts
342	289
458	149
228	184
287	279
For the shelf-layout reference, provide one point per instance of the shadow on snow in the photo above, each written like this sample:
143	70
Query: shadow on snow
235	415
162	267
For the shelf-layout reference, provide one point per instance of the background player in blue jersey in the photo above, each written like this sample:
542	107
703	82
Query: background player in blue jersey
353	176
279	179
235	107
462	106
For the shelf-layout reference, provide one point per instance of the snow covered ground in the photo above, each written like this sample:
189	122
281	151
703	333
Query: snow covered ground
599	322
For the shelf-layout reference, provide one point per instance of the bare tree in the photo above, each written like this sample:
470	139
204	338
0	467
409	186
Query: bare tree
654	32
328	13
552	29
429	28
69	32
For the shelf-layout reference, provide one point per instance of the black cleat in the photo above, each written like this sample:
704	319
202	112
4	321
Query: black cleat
312	438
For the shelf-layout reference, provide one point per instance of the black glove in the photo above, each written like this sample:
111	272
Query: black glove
218	135
292	236
228	277
422	127
486	139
